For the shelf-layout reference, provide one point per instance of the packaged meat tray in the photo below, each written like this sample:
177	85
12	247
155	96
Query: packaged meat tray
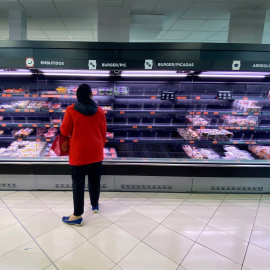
56	121
109	153
56	106
23	132
200	153
14	91
260	151
109	135
188	134
214	134
234	153
247	105
197	120
104	91
250	121
121	90
61	90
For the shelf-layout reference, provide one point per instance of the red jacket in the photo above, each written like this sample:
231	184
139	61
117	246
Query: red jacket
88	136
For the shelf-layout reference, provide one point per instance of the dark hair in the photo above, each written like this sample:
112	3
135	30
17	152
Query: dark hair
83	92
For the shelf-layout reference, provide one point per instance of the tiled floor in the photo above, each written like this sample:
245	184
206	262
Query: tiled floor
159	231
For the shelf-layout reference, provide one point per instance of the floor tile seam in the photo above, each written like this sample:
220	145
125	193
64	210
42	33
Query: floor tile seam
168	206
261	227
58	259
153	219
32	215
20	203
15	248
158	224
162	254
264	213
107	255
251	234
117	218
129	206
30	235
8	226
240	264
204	206
38	191
259	246
8	193
48	231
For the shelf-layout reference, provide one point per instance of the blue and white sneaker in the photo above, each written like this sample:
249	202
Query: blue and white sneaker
77	222
95	209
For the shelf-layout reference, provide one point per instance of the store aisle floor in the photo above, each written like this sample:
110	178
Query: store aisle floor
136	231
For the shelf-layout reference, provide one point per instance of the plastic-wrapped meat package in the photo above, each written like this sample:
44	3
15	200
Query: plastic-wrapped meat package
261	151
247	105
109	153
234	153
109	135
197	120
188	134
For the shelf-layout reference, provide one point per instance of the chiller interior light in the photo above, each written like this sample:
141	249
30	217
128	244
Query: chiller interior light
20	72
233	74
152	73
72	72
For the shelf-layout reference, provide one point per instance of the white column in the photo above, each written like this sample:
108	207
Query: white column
17	25
113	24
246	26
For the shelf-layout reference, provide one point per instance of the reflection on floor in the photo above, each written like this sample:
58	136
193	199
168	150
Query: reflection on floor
159	231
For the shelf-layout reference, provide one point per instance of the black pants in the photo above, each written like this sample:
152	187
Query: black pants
93	171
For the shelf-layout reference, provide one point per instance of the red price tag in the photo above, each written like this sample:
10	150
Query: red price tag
8	95
198	97
214	142
19	139
106	141
220	127
245	98
26	95
149	127
48	140
63	110
122	112
38	140
190	127
202	127
252	128
237	127
191	112
105	111
35	95
55	125
244	127
226	127
247	142
17	110
198	112
134	126
153	97
191	141
2	110
256	113
135	140
34	125
4	95
235	142
215	112
47	125
205	112
4	125
50	110
43	95
32	110
253	142
152	112
122	140
234	112
20	125
26	110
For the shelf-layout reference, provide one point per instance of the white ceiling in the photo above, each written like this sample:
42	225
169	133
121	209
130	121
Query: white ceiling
183	20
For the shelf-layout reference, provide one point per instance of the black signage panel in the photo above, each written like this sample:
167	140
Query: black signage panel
165	95
238	65
179	65
224	95
52	63
12	62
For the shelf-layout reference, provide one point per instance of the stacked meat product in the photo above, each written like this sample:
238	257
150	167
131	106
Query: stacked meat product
47	133
188	134
197	120
261	151
109	153
27	104
23	149
234	153
247	105
250	121
200	153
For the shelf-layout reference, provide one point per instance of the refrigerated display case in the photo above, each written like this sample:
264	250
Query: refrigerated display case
184	129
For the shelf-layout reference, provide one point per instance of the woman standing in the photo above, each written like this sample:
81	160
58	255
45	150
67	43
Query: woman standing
85	123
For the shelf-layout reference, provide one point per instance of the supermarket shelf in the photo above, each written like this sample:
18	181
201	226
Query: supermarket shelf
226	127
220	112
25	125
148	140
150	112
20	95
